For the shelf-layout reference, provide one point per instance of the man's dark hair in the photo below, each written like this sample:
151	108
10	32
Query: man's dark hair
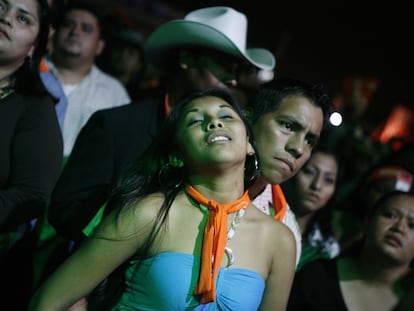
85	6
269	96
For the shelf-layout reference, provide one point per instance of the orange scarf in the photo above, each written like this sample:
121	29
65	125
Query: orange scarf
214	241
279	202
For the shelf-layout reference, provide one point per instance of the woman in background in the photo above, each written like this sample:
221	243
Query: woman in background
371	277
393	173
30	141
310	194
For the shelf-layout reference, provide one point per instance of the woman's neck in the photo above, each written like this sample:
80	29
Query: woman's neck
377	269
257	188
220	191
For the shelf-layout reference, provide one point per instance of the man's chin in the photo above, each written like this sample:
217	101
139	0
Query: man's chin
275	178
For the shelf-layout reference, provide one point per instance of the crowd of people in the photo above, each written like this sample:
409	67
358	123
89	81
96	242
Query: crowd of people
174	171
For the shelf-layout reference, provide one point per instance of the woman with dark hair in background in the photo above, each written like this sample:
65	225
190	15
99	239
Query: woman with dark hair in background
310	195
30	140
371	277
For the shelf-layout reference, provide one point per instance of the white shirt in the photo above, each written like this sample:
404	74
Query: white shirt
96	91
262	202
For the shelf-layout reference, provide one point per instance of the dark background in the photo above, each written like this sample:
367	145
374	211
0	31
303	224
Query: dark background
318	41
322	41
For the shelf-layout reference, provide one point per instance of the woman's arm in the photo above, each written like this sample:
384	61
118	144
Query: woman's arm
35	153
114	242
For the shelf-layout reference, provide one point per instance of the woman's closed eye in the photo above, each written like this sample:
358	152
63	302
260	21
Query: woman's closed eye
195	120
226	116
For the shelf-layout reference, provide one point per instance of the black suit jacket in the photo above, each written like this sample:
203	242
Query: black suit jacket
110	140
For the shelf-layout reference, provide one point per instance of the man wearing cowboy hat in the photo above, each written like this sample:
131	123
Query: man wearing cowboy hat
210	45
205	49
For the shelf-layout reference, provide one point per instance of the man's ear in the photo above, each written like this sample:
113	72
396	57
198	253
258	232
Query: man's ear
100	47
175	160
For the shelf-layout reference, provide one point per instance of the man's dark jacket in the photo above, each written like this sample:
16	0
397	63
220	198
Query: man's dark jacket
110	140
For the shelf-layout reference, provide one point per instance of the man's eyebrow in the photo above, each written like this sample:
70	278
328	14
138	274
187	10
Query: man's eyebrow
298	125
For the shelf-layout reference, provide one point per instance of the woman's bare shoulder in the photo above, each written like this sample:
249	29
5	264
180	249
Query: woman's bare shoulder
148	204
138	213
274	231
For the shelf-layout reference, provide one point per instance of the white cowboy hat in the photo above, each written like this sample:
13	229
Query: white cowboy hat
220	28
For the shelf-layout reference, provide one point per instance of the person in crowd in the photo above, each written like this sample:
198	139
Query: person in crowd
287	117
77	41
189	186
393	172
31	147
310	194
110	139
195	53
370	278
123	58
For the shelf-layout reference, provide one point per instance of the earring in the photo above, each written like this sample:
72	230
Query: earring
255	161
252	168
175	161
178	163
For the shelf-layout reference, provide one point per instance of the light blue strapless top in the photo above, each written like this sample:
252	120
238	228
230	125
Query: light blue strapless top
166	282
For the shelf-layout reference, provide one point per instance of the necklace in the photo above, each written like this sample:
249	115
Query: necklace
7	86
230	233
